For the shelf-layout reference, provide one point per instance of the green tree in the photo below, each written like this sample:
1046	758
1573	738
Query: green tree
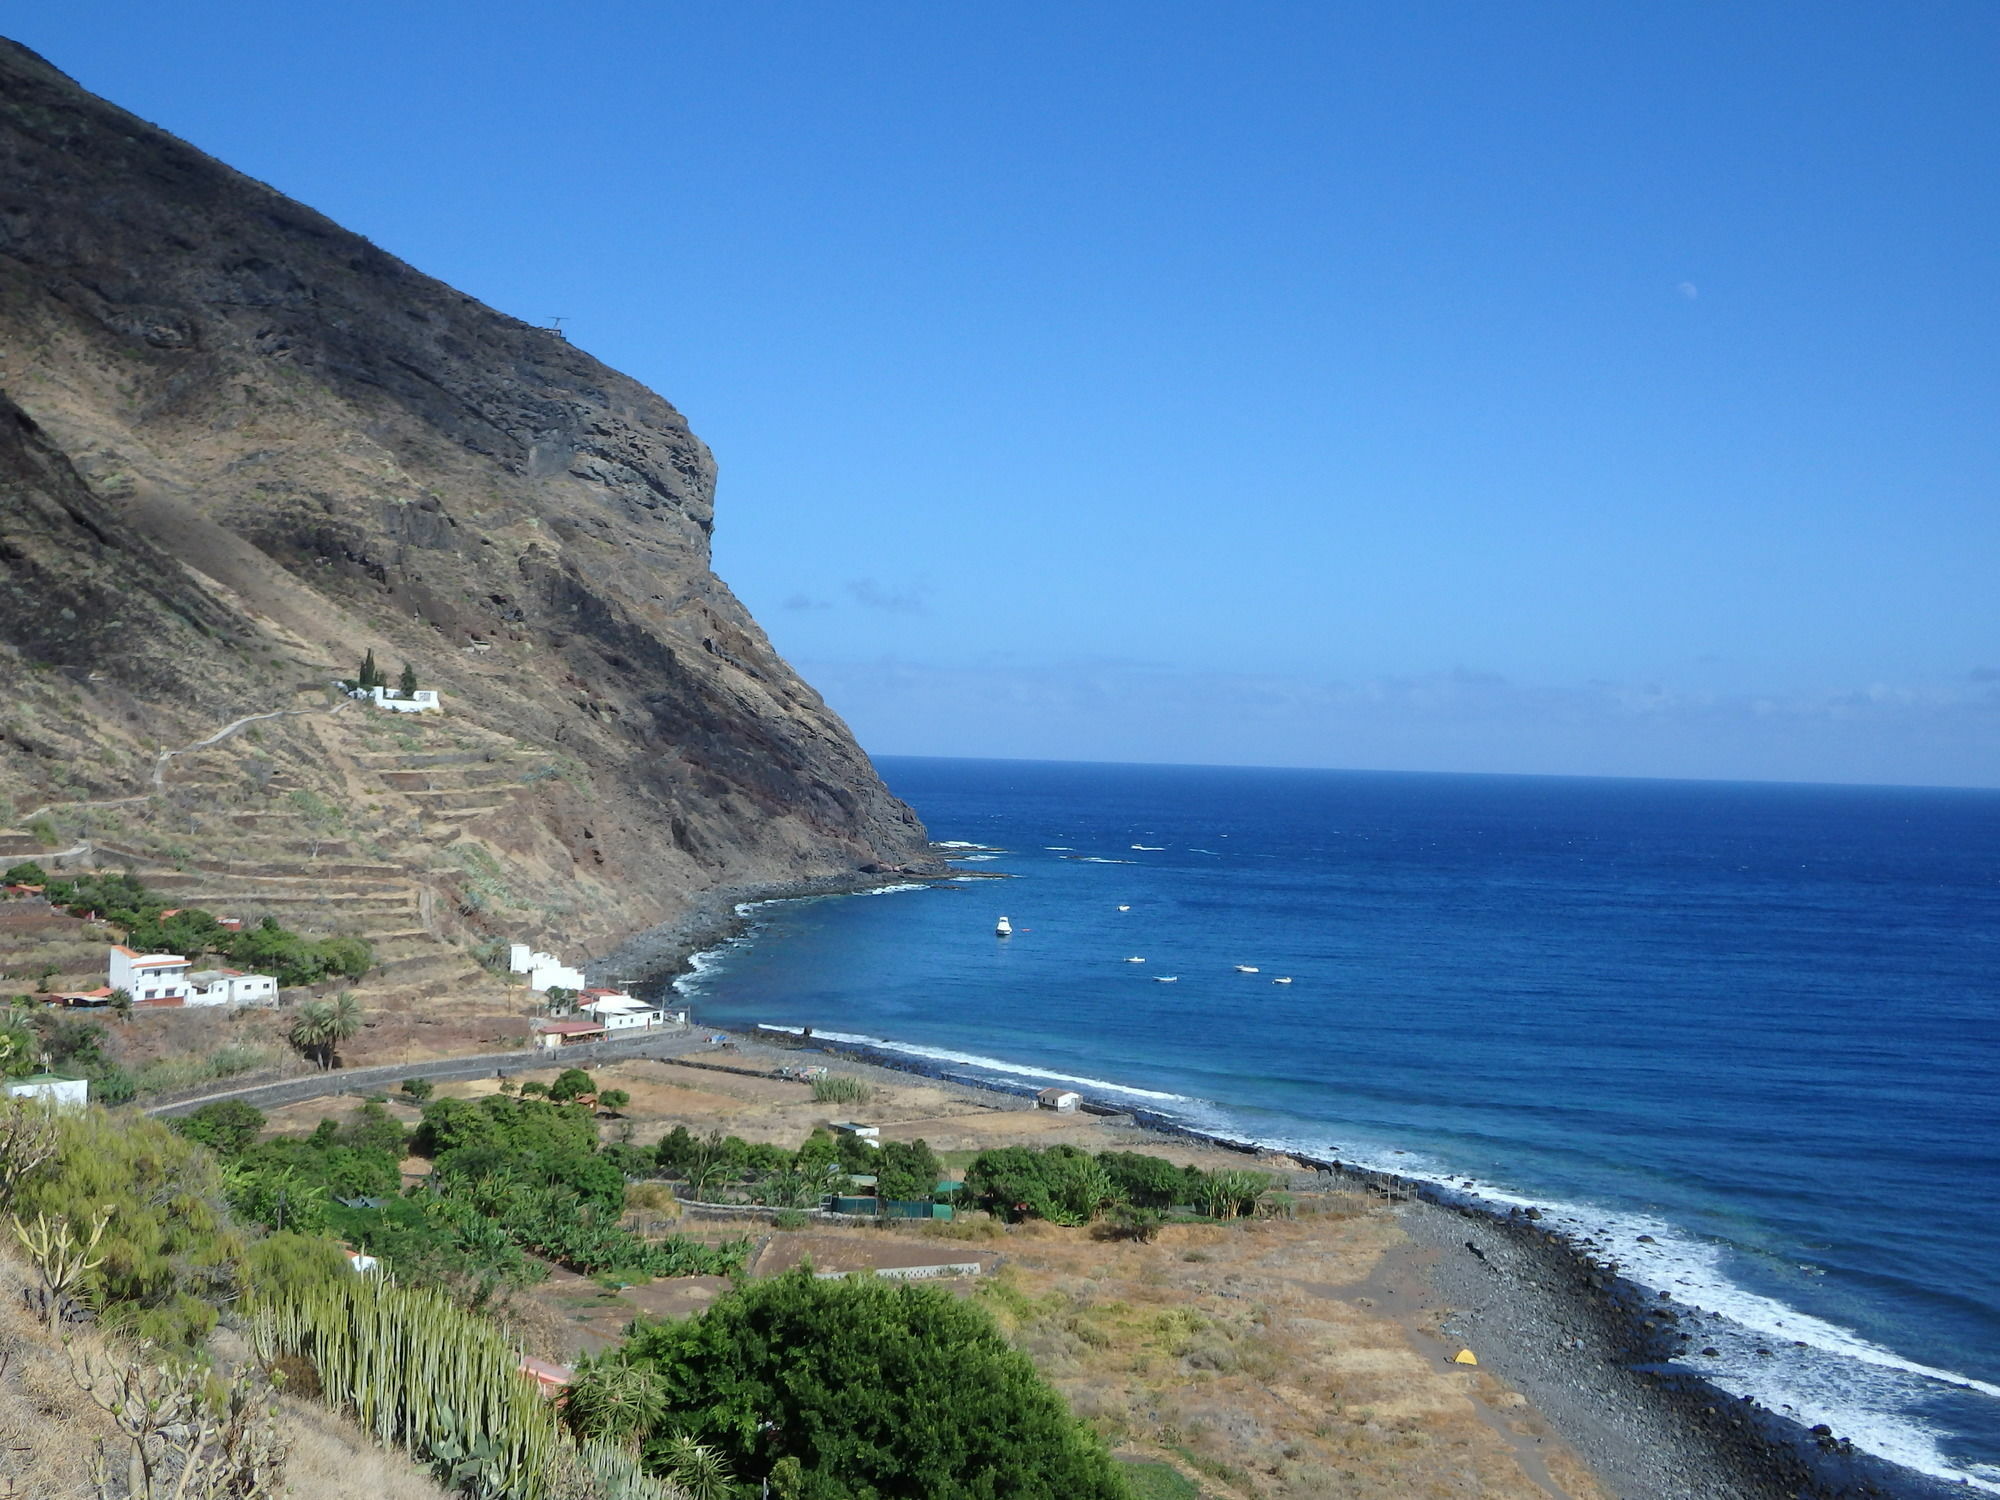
370	675
27	873
1148	1181
228	1127
322	1025
907	1171
572	1084
874	1389
1058	1183
407	686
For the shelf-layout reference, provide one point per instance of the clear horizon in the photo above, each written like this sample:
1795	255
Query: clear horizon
1555	392
1193	765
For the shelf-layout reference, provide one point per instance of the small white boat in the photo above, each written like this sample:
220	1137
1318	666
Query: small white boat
1124	908
1246	968
1286	980
1166	979
1135	960
1003	928
1150	848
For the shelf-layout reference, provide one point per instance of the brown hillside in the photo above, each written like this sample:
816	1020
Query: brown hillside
239	446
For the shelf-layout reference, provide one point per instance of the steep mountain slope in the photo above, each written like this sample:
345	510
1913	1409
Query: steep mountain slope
240	446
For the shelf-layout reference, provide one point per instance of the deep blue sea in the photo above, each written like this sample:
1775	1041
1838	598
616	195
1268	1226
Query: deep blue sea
1757	1023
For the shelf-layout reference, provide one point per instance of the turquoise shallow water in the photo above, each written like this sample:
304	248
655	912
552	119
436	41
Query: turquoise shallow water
1758	1024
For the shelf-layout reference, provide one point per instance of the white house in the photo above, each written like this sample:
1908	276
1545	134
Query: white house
149	978
422	701
1062	1099
620	1011
543	969
231	987
58	1093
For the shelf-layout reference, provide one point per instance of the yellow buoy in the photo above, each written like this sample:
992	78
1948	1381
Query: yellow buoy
1465	1357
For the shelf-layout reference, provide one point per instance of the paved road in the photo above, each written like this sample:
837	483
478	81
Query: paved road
387	1077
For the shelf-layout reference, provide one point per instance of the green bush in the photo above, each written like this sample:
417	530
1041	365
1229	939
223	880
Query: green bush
227	1127
907	1170
869	1389
419	1089
838	1088
1058	1183
170	1250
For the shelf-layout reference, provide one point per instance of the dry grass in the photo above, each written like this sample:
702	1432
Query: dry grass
1262	1360
50	1432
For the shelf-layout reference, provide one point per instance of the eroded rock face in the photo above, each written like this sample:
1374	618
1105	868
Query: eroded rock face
299	448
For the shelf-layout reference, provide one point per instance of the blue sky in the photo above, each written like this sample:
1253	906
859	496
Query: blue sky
1564	388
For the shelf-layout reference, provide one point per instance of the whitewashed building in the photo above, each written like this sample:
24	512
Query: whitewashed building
621	1012
231	987
422	701
58	1093
149	978
1060	1099
543	969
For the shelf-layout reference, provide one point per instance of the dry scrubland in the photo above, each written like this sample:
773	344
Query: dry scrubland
50	1433
1266	1358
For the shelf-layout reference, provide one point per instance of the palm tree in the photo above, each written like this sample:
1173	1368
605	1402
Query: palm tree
322	1025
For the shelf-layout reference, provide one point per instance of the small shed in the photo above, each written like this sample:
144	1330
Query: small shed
871	1134
1062	1099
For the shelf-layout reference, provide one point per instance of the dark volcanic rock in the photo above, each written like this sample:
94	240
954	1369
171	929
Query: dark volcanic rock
243	429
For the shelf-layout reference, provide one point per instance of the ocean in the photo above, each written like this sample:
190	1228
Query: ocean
1746	1037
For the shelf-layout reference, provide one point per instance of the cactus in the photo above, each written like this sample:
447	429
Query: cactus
418	1371
60	1261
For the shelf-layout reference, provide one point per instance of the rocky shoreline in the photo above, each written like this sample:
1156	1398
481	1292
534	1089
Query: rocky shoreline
1590	1350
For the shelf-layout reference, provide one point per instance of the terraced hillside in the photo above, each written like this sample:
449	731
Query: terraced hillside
240	447
427	837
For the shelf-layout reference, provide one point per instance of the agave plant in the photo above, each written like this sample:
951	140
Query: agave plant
613	1401
693	1468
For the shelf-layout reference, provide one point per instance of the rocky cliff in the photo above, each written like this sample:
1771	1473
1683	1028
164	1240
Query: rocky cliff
240	446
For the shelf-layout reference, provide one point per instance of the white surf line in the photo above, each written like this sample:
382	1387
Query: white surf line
1690	1268
974	1060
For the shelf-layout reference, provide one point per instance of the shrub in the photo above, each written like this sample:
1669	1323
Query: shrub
418	1089
907	1170
790	1218
1149	1181
869	1389
838	1088
226	1127
572	1084
169	1249
1060	1184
